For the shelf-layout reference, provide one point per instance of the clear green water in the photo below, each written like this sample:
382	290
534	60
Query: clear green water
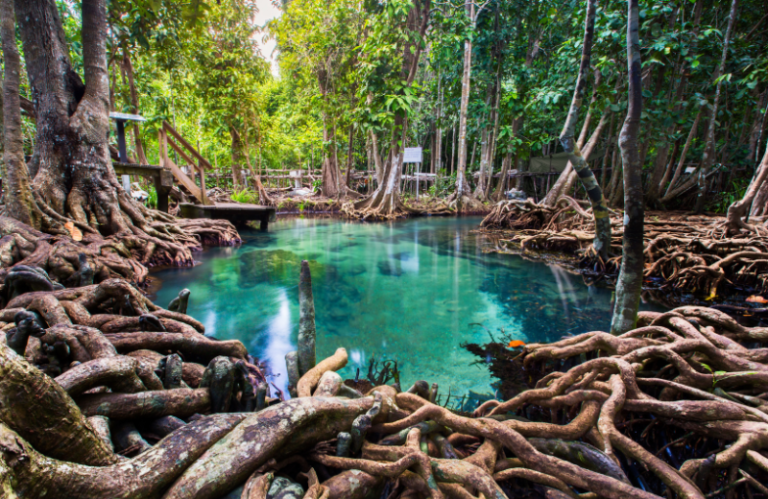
411	291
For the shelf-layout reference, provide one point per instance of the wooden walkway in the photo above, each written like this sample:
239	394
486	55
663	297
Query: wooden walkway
236	213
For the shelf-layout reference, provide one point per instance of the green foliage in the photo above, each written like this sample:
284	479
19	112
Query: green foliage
245	196
152	198
197	65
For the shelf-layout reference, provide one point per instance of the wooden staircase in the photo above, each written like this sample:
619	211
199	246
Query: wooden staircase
168	136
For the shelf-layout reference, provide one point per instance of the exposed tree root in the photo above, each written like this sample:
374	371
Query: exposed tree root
127	254
691	254
676	407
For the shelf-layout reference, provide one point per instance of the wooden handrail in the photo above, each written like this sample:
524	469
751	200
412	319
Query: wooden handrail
181	152
187	145
167	162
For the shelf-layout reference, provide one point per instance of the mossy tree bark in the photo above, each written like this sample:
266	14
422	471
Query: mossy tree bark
600	210
41	411
19	203
630	281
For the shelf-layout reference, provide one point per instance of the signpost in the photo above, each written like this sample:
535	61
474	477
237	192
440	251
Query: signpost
414	155
120	119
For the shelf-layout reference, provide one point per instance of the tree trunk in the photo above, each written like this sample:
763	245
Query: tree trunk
498	194
237	159
486	167
453	150
586	152
438	163
19	203
709	150
681	163
385	201
376	157
602	241
89	193
74	181
756	133
350	159
138	143
630	282
331	173
738	210
463	192
558	188
607	154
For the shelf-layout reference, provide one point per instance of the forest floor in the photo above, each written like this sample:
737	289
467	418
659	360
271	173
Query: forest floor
688	258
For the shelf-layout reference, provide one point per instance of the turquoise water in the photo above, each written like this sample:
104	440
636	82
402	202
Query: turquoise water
411	291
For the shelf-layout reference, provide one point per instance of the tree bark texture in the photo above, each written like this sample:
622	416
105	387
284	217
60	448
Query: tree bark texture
19	203
630	281
599	208
709	149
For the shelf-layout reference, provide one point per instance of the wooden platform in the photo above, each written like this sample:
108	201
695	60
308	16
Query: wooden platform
162	177
236	213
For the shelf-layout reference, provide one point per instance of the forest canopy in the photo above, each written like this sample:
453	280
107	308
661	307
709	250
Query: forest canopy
340	86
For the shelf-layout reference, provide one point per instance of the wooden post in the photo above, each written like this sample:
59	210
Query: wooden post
418	169
163	186
201	172
162	146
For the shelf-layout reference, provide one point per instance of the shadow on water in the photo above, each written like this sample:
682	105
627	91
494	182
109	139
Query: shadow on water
411	291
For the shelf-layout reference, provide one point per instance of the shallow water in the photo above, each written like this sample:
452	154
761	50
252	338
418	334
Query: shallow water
411	291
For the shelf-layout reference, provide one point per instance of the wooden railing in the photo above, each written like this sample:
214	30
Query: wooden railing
168	136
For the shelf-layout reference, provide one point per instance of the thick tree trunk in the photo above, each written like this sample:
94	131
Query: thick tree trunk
602	241
630	282
709	150
74	178
19	202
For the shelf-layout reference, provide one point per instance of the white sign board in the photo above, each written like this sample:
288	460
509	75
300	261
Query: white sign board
690	169
412	155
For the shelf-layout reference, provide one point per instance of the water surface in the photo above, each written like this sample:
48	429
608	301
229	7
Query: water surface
411	291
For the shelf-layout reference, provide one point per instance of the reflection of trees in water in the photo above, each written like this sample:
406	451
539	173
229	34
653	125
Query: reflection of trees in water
533	298
273	267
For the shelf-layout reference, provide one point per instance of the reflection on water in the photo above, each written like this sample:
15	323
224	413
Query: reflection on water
411	291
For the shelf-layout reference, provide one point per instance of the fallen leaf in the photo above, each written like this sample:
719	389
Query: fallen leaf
73	231
757	299
515	344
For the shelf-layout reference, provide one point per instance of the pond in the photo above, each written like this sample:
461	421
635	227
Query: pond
412	291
